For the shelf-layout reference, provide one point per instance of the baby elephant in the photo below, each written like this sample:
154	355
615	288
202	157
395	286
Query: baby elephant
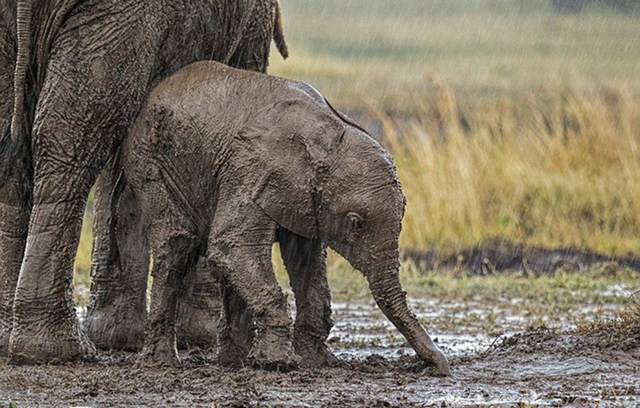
224	163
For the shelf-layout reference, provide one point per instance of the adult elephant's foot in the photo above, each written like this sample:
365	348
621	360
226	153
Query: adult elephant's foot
161	353
117	326
49	343
274	352
314	352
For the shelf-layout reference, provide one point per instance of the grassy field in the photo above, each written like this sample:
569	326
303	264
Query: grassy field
381	52
504	119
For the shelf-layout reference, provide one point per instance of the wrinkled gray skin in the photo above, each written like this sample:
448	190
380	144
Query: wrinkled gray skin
120	261
82	70
223	163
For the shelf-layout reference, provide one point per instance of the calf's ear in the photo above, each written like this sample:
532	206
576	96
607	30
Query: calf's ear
289	142
288	201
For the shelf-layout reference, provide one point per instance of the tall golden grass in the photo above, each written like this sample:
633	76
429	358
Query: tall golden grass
561	171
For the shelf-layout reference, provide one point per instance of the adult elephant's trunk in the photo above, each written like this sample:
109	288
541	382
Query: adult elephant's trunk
24	16
385	286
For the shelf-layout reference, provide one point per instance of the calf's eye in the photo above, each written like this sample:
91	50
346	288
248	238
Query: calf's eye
355	220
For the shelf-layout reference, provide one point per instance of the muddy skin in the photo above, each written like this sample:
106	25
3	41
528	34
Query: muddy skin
199	309
236	330
99	59
306	260
223	159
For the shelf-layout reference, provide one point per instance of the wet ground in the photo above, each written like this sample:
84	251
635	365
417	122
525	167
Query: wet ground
520	368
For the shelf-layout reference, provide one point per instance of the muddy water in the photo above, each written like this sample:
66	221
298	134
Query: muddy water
361	330
538	368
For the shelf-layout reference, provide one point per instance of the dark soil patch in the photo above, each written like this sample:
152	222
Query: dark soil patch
497	255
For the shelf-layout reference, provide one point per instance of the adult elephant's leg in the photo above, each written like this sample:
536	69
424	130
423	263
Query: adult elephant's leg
119	266
305	261
93	90
14	220
199	308
45	326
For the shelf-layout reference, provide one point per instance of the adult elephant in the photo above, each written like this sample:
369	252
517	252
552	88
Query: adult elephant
120	260
82	71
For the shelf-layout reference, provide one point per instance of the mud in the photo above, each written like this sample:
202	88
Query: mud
541	367
497	255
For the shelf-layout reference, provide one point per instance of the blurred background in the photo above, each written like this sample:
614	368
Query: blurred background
506	118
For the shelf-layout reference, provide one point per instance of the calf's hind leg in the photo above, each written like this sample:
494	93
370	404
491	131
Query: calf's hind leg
305	261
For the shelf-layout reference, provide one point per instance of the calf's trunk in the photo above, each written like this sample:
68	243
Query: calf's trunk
384	284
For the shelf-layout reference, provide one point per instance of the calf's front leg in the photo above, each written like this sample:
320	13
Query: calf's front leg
239	247
306	263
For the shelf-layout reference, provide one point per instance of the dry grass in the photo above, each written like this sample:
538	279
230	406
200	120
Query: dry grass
564	172
622	332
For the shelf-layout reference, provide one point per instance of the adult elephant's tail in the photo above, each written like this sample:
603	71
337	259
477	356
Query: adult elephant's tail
24	16
278	33
35	33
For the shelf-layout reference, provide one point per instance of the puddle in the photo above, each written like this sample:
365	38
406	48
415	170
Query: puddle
618	290
360	330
